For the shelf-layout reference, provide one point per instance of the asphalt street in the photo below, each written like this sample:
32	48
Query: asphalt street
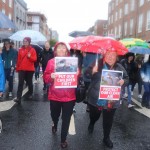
28	127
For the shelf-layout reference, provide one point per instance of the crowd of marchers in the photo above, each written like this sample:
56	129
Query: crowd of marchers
27	62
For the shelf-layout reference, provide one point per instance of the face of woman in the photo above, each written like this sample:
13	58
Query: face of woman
26	43
61	50
110	58
7	45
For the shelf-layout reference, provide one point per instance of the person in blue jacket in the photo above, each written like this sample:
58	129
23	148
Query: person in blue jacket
2	76
145	75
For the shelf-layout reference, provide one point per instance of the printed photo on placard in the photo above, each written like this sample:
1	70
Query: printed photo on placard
66	72
66	64
109	86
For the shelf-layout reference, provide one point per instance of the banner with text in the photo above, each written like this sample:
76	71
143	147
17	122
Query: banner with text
66	72
109	87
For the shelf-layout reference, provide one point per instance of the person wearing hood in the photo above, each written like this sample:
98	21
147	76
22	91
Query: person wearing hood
61	99
45	56
25	68
2	76
145	75
130	66
9	57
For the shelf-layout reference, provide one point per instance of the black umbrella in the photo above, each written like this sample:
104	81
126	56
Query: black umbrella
80	33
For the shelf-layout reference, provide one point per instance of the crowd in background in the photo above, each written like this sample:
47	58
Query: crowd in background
28	60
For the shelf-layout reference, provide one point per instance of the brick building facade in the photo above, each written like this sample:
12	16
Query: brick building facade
100	27
7	7
129	18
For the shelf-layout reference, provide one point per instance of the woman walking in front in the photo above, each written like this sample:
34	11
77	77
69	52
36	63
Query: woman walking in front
107	107
25	67
61	100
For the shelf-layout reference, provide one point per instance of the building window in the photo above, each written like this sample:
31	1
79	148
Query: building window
131	26
125	28
109	9
112	6
116	2
148	21
116	16
119	31
140	23
3	11
120	13
112	19
9	16
10	3
141	2
126	9
132	5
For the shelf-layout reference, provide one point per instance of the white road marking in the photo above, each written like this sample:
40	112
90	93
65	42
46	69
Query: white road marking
72	130
141	110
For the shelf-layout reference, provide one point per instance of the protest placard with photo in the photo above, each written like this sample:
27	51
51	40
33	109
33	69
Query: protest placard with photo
109	86
66	72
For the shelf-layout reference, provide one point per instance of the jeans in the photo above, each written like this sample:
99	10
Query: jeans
128	91
9	75
146	95
37	72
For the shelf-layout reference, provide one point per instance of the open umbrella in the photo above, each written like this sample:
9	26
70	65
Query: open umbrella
35	36
129	42
139	50
97	44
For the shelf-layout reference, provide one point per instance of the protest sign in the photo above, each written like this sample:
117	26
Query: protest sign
109	86
66	72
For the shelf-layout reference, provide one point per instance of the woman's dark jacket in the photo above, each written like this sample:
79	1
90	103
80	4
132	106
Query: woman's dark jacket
9	58
93	91
46	56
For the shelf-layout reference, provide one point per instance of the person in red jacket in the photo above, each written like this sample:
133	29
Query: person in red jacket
61	99
25	67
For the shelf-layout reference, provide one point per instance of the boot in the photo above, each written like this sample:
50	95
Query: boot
17	100
107	142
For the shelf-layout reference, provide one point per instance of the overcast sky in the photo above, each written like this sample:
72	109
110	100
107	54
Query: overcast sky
66	16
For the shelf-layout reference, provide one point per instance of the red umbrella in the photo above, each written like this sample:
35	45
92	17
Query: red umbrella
97	44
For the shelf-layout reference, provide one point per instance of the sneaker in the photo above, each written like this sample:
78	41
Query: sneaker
64	144
132	93
74	110
120	102
130	106
139	96
35	81
124	95
10	94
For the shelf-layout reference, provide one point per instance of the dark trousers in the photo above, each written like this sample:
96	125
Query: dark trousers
67	110
43	69
108	116
146	95
139	86
25	76
9	77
